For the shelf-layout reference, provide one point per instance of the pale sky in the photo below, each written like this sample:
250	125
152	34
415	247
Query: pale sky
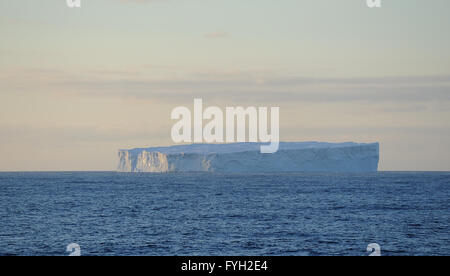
76	85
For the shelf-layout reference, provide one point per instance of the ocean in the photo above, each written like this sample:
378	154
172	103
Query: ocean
109	213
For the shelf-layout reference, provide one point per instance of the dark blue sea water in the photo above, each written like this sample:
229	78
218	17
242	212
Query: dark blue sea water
108	213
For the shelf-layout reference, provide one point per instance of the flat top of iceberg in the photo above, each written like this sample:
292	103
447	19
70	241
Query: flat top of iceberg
240	147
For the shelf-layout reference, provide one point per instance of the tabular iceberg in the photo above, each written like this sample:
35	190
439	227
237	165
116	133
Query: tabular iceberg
246	157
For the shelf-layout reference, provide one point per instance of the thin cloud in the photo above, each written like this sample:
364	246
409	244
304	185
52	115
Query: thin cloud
244	86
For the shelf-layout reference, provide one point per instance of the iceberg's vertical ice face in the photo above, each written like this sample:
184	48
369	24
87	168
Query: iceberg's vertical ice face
246	157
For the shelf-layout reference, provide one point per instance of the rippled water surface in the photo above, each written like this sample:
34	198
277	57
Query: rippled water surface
109	213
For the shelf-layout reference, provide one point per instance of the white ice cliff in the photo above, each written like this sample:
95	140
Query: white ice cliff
246	157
